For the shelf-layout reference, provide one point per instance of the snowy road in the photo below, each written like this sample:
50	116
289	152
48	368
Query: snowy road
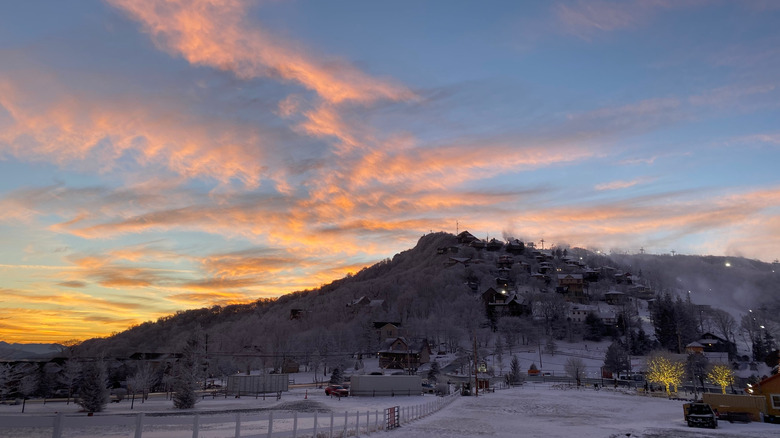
545	412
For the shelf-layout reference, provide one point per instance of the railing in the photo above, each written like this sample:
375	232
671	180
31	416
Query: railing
264	424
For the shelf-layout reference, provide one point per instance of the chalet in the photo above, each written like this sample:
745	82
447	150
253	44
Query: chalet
466	238
694	347
716	344
447	249
365	302
590	275
502	282
515	247
580	313
572	287
615	298
494	245
505	261
478	244
401	353
387	330
624	278
546	267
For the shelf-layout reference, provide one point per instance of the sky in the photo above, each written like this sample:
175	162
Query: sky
166	155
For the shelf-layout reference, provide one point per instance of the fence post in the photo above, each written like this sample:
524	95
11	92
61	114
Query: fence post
238	424
357	423
368	422
295	424
195	426
57	432
314	435
376	420
331	425
346	420
139	425
270	423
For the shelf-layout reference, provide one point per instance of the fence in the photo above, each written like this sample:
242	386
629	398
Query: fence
266	424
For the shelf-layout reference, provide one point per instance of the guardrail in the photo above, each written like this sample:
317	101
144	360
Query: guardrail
264	424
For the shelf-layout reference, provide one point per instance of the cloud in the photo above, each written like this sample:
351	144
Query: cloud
215	33
616	185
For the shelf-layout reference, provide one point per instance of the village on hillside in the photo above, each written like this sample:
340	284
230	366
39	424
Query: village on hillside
558	315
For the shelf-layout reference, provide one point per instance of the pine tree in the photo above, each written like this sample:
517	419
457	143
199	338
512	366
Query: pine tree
186	371
184	396
433	373
616	358
515	373
93	395
336	378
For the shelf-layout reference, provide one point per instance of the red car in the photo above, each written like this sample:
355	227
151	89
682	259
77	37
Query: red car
337	390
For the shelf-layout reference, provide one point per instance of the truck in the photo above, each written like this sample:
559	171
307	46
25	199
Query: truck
700	415
737	407
384	385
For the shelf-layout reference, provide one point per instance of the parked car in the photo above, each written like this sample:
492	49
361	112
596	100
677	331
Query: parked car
700	415
337	390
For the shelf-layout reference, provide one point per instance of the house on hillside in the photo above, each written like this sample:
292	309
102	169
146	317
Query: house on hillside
402	353
580	312
466	238
615	298
503	303
494	245
515	247
387	330
572	287
716	344
367	303
505	262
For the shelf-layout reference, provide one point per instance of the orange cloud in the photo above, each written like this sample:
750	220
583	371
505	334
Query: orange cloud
214	33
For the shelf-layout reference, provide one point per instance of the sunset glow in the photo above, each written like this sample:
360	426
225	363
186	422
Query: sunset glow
160	155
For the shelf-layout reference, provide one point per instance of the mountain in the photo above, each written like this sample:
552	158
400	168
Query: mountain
434	291
28	351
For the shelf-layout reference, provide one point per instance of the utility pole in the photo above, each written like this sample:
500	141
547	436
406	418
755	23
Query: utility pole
542	242
476	376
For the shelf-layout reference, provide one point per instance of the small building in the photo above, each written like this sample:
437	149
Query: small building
401	353
387	330
615	298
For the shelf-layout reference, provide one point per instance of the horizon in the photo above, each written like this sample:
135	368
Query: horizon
158	156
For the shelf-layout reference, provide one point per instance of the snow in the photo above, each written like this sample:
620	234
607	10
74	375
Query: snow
544	411
532	410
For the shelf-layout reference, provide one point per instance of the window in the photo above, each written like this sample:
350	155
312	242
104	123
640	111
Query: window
775	400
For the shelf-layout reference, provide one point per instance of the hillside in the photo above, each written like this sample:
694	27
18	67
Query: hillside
434	294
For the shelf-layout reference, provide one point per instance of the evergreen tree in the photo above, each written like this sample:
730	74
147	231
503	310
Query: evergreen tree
187	369
336	378
515	374
93	395
433	373
616	358
664	322
184	396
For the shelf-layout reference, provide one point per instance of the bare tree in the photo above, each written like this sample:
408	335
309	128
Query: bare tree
724	323
575	368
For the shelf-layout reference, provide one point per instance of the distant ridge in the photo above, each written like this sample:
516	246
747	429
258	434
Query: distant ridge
28	351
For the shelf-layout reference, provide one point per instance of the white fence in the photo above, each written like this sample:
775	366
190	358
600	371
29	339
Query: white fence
265	424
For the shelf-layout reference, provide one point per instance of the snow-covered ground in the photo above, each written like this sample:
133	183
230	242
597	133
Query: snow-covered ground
543	411
532	410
